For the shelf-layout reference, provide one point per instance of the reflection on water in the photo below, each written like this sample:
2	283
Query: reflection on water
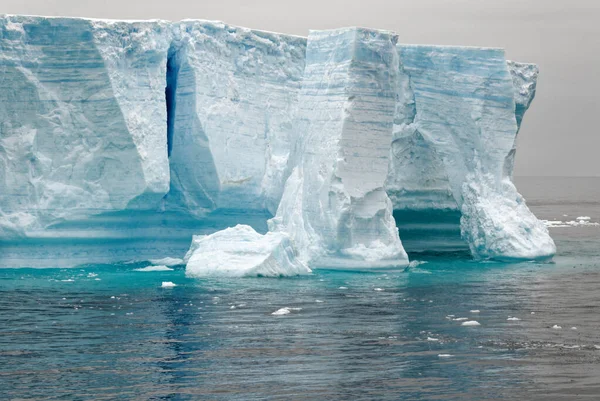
106	332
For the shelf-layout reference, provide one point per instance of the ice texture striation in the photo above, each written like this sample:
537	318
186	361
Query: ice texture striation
465	118
121	139
82	119
334	205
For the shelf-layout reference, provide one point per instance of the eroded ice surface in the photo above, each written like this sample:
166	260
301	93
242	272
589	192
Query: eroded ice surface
334	204
242	252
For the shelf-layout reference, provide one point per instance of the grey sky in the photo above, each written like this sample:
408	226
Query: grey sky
559	134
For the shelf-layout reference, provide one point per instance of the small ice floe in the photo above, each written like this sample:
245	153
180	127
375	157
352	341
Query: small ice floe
416	263
581	221
460	319
514	319
112	297
285	311
69	280
97	279
167	262
557	327
319	301
92	275
161	268
445	355
573	328
378	289
432	339
168	284
232	307
597	346
475	311
471	323
533	313
129	313
343	288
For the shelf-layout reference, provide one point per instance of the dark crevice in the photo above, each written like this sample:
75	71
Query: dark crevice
170	94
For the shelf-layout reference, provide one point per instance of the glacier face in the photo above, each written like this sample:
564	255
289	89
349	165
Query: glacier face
121	139
82	117
335	206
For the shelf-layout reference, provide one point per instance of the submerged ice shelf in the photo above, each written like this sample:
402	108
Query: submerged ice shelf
121	140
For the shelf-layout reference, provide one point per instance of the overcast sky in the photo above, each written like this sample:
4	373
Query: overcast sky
560	134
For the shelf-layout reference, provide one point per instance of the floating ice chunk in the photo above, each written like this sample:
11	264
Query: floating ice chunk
153	269
573	328
432	339
416	263
513	319
343	288
475	311
461	319
168	284
584	218
282	311
242	252
319	301
471	323
445	355
68	280
557	327
378	289
169	262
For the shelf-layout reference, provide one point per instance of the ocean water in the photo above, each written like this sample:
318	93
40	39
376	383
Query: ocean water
112	332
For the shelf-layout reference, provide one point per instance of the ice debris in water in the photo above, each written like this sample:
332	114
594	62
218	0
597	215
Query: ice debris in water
513	318
153	269
378	289
556	326
471	323
169	262
445	355
582	221
432	339
285	311
474	310
168	284
242	252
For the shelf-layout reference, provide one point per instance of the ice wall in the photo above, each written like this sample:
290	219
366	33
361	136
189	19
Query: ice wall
82	119
235	97
334	205
459	118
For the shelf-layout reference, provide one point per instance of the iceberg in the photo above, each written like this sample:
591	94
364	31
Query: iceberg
242	252
121	140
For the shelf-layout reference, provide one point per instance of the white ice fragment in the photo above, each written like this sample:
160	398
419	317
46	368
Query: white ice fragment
378	289
68	280
584	218
461	319
242	252
573	328
282	311
474	310
153	269
343	288
432	339
471	323
169	262
445	355
168	284
319	301
556	326
513	318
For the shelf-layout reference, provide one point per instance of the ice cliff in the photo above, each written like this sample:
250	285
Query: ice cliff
121	139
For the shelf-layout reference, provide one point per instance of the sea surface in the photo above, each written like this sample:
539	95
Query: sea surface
110	332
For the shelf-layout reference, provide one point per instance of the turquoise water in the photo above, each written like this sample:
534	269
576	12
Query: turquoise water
111	332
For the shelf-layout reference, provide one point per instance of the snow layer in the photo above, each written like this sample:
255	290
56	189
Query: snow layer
334	204
242	252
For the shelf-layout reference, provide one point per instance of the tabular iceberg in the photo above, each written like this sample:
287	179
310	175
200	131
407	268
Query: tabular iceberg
121	139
